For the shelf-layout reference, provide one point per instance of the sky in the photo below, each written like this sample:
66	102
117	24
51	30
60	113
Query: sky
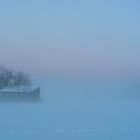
83	38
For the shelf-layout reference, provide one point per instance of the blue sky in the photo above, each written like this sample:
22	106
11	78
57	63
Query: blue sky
69	38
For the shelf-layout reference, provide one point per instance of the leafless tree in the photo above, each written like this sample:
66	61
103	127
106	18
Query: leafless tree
5	76
22	80
10	78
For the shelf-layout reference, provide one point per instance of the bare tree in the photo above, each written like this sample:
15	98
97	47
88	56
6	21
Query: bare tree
10	78
22	80
5	77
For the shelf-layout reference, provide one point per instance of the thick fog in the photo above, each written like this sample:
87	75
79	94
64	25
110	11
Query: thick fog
72	109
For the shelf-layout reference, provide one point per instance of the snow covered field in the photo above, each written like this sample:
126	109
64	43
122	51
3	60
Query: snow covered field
72	110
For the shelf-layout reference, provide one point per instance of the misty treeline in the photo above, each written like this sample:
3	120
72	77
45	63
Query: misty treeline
11	78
